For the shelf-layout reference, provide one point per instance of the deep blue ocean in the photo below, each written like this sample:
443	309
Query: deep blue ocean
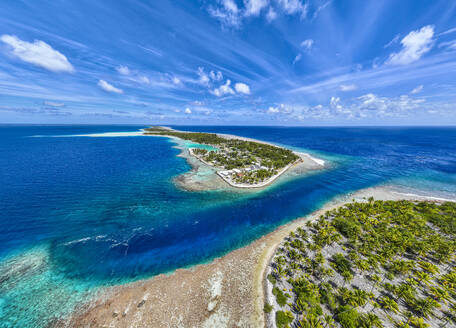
79	213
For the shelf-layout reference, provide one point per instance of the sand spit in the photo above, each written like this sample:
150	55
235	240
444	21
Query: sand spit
228	292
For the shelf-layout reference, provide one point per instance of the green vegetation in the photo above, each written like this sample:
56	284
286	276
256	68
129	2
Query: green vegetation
199	151
281	298
267	308
283	319
236	154
369	264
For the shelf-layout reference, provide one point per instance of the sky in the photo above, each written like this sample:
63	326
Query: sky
228	62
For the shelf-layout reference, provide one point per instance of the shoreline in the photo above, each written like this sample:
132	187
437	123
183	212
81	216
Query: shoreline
229	291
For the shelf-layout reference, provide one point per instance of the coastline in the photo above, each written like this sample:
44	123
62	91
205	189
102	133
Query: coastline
229	291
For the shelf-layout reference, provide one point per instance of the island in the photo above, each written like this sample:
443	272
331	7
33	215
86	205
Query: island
240	162
367	264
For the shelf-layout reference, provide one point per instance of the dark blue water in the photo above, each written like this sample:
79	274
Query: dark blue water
79	213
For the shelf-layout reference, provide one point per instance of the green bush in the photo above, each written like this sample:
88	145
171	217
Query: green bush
347	316
347	227
272	279
267	308
283	319
341	264
281	298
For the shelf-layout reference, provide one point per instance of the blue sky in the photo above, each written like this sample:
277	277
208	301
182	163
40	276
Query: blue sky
248	62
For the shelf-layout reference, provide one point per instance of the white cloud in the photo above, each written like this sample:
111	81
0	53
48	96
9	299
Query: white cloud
216	76
449	45
384	106
230	5
393	41
108	87
282	108
320	8
273	110
53	104
307	44
188	111
418	89
38	53
334	102
297	58
254	7
271	15
144	79
203	77
451	30
223	89
414	45
227	14
293	7
242	88
348	87
176	80
124	70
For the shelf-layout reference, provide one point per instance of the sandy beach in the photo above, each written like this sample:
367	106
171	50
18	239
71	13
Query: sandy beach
228	292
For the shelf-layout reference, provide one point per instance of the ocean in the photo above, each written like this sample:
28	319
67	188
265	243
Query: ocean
79	213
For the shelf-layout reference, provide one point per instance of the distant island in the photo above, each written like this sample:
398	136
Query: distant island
240	162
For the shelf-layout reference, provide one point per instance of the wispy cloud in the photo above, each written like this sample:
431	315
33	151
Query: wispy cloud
451	30
271	15
414	45
231	15
53	103
297	58
307	44
216	76
227	13
416	90
38	53
348	87
451	45
254	7
293	7
108	87
124	70
393	41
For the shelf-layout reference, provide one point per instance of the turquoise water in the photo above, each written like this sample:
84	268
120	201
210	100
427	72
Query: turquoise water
81	213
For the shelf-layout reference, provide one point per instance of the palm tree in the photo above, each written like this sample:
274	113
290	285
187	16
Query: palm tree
329	322
440	294
425	306
418	322
360	297
311	321
389	305
422	277
371	320
428	267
